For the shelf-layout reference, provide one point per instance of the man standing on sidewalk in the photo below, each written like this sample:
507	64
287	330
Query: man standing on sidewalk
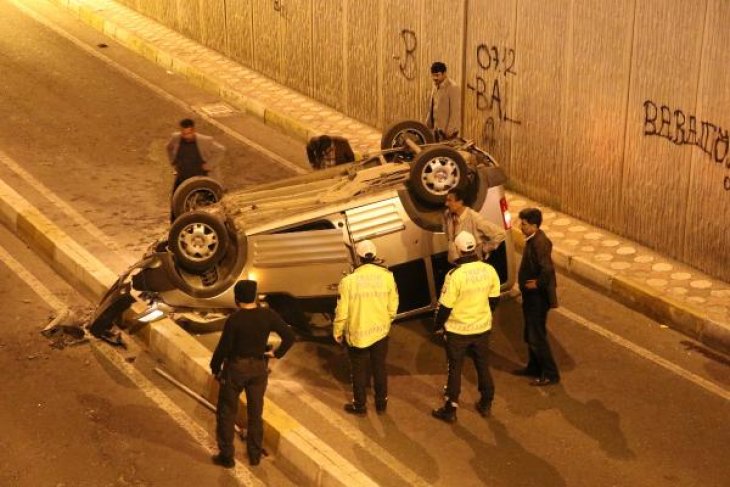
192	154
366	307
240	362
468	299
444	106
537	282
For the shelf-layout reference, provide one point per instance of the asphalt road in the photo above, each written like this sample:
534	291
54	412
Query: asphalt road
639	404
87	414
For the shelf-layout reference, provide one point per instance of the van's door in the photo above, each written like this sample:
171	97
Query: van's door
304	261
405	247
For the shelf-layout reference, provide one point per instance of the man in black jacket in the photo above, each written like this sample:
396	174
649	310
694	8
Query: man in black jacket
537	282
240	361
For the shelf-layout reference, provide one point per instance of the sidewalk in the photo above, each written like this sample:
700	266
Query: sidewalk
673	293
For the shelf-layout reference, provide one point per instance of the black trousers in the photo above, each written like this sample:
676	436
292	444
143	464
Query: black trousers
359	357
535	307
252	376
457	346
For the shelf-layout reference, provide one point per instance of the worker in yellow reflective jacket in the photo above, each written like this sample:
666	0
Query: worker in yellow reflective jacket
367	304
468	299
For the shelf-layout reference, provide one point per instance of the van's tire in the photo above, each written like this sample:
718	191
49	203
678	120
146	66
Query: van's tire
198	240
435	171
227	271
195	193
394	137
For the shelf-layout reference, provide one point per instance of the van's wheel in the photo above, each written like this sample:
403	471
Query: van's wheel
435	172
198	240
195	193
397	134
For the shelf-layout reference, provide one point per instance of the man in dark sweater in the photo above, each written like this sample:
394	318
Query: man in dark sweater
537	282
240	362
192	154
329	151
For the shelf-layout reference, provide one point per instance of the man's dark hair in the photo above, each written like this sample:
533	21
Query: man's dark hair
438	67
187	123
459	194
533	216
245	291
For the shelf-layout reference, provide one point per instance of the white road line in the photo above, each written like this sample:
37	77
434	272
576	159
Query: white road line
37	286
156	89
79	219
356	436
200	435
642	352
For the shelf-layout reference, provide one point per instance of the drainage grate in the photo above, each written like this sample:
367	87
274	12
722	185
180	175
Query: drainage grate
216	109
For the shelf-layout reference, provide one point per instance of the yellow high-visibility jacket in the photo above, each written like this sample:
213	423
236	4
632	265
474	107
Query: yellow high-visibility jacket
367	305
466	291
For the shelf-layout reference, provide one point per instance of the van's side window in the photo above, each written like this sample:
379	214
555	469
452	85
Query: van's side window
310	226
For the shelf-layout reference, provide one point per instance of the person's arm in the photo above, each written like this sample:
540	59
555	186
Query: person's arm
170	148
494	289
492	235
440	317
543	250
347	154
449	293
341	313
285	333
454	111
223	349
392	297
312	153
429	113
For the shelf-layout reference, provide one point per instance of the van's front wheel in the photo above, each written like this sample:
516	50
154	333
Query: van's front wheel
198	240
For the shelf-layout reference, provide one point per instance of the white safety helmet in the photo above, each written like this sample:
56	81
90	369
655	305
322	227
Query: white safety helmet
366	249
465	242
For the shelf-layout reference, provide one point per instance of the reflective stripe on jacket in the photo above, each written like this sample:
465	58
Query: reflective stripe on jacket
466	291
367	305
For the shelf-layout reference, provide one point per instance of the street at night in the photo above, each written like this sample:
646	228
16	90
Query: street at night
83	128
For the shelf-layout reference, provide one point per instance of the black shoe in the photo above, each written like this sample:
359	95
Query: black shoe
356	410
380	408
484	408
544	381
225	462
525	372
445	413
253	461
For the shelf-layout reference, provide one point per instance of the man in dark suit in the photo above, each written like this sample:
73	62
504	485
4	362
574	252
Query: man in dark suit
537	282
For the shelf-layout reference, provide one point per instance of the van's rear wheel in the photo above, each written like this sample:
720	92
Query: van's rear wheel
198	240
435	172
195	193
397	134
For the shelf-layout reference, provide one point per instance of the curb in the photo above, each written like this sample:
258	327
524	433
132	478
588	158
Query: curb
641	298
627	291
184	357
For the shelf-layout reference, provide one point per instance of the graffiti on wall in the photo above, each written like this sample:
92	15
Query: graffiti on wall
407	58
684	129
496	67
